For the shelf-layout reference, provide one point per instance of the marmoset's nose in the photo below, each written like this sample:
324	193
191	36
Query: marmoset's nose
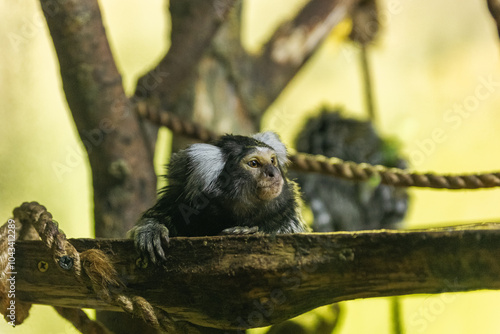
270	171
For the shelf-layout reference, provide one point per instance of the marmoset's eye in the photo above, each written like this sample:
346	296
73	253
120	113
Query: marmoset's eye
253	163
273	161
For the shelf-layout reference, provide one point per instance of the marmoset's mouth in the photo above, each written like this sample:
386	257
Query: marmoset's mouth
269	190
269	184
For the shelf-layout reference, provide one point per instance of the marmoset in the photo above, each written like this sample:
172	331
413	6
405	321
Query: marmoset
236	184
343	205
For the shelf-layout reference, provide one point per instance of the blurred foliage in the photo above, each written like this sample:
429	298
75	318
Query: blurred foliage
431	59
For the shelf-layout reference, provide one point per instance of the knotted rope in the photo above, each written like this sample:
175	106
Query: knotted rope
92	267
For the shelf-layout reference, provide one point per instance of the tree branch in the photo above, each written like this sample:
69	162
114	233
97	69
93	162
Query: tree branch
252	281
194	24
123	175
288	50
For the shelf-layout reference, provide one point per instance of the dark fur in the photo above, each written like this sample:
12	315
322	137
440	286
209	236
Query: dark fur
340	205
209	192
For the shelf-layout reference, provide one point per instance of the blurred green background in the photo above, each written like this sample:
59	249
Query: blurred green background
432	58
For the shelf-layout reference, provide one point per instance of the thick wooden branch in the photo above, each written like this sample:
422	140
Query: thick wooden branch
169	85
90	78
252	281
288	50
194	24
122	168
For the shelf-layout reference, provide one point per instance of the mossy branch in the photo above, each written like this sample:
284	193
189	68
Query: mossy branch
252	281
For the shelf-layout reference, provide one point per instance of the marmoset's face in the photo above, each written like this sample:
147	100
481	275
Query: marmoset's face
262	164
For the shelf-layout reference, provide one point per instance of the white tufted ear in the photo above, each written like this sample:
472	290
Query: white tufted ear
205	164
272	139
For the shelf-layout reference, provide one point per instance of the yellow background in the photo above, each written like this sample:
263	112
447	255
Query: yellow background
431	55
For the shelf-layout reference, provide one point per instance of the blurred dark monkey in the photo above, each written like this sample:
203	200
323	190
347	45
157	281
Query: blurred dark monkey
344	205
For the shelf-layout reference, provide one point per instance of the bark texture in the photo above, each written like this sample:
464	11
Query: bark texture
238	282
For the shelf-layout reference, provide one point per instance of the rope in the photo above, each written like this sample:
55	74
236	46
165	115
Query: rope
91	267
365	28
175	123
334	166
391	176
37	216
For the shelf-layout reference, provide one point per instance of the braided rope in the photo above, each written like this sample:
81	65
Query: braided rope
37	216
108	287
98	272
334	166
391	176
175	123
